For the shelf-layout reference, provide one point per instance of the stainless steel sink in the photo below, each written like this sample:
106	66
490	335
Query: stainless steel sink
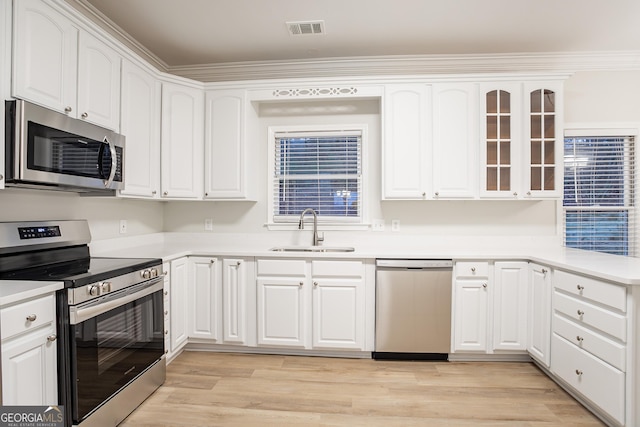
312	249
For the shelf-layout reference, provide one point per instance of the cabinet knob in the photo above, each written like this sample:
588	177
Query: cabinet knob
239	263
484	285
166	332
578	372
68	110
437	193
579	338
166	292
164	273
31	318
315	283
52	338
544	271
473	269
301	283
1	177
580	288
528	193
166	312
206	194
154	192
515	194
580	312
166	193
424	194
84	115
213	261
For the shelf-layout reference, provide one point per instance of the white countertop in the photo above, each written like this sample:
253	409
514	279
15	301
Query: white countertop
168	246
12	291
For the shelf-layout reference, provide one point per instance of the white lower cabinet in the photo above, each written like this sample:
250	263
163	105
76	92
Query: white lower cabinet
540	313
311	304
178	306
490	307
510	307
204	298
589	341
219	295
29	352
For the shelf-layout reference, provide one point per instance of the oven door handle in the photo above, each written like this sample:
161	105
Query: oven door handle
80	313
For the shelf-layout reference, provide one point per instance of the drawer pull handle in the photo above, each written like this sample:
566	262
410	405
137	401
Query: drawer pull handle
580	312
580	288
579	338
31	318
52	338
578	372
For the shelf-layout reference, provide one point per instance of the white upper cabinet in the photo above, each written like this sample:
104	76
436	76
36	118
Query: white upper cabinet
182	141
141	126
406	142
98	82
63	68
226	154
455	140
45	56
544	139
5	70
501	140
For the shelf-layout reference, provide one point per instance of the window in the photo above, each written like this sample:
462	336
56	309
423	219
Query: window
321	170
599	194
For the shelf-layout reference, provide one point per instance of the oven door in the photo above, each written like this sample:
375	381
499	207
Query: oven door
113	340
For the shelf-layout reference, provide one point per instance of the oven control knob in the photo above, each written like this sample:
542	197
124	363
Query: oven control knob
154	273
94	290
146	274
105	287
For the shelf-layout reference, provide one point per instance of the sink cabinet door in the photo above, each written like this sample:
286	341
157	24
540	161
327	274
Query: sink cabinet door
282	314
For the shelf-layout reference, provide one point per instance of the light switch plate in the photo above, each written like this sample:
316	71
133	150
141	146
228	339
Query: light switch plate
123	226
208	224
395	225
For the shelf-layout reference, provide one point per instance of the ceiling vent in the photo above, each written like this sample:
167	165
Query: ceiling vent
306	28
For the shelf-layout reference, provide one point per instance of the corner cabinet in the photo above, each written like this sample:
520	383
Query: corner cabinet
225	147
140	124
540	313
182	141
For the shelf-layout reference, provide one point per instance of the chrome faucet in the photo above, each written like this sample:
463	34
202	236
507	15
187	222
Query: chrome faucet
316	239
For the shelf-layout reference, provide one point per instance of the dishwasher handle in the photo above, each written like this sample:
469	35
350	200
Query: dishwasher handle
414	263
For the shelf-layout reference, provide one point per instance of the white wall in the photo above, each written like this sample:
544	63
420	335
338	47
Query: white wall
482	218
595	97
103	214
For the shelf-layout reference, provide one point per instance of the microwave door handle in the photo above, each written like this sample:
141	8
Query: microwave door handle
114	162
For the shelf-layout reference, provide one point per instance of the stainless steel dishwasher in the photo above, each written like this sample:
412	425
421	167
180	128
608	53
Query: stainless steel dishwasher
413	309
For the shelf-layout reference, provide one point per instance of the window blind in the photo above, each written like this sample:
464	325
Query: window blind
599	194
322	171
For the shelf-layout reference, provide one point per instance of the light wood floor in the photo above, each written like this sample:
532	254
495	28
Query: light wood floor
218	389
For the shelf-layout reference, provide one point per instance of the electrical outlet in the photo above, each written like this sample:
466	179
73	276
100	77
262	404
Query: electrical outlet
395	225
123	226
208	224
377	225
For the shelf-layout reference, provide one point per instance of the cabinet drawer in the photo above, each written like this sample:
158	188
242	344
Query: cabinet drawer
602	292
16	318
281	267
321	268
596	344
472	268
588	314
599	382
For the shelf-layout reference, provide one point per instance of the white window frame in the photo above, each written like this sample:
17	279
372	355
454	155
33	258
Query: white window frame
323	224
597	130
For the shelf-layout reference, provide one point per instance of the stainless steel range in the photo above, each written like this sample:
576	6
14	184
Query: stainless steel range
110	317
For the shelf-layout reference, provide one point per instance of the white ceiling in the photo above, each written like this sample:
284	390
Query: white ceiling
197	32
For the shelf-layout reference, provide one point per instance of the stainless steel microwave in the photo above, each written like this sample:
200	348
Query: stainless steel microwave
47	149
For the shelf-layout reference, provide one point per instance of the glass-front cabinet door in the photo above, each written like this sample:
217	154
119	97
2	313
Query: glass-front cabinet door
544	139
501	139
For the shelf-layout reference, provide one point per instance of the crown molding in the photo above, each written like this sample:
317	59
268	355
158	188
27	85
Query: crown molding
566	63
